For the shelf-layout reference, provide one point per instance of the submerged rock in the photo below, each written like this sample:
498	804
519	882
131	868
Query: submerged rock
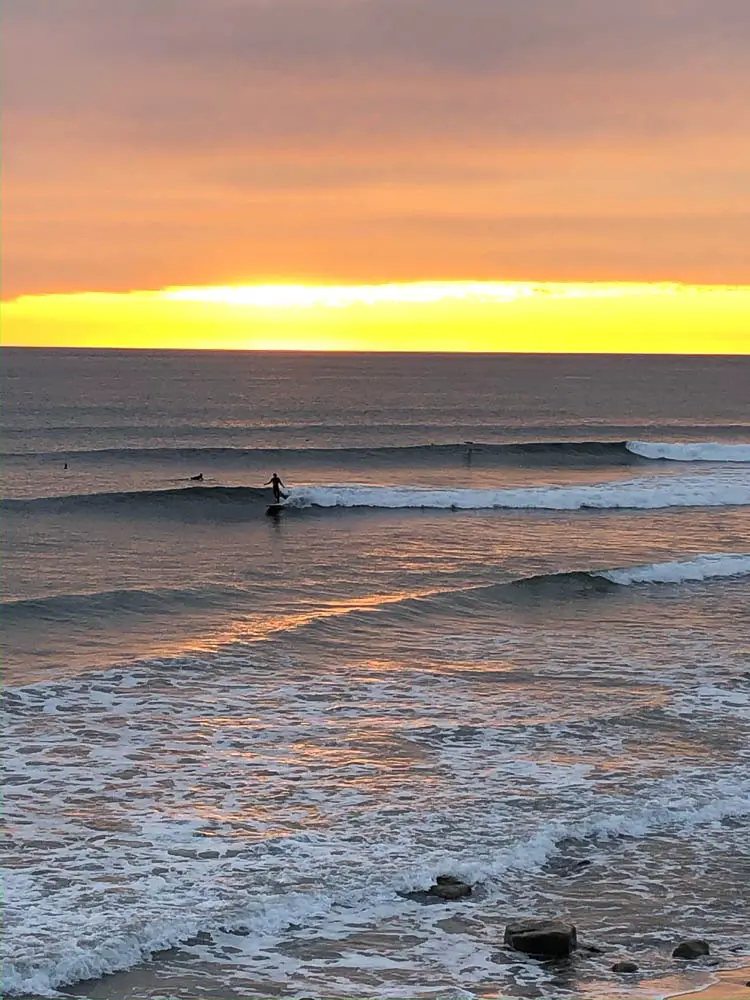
542	938
202	937
694	948
625	967
449	887
445	889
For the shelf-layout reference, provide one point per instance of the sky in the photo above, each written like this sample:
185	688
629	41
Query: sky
358	143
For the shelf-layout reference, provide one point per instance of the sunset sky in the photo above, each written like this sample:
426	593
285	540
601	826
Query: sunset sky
520	174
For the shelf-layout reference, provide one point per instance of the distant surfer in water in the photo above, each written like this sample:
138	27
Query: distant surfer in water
275	483
197	479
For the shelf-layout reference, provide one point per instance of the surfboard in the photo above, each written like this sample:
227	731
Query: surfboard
274	508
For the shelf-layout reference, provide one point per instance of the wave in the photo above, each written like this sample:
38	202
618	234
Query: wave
337	621
643	494
211	498
702	567
698	451
62	607
220	502
551	452
563	586
706	566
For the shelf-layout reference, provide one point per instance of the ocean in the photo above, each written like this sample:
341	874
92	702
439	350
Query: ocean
499	631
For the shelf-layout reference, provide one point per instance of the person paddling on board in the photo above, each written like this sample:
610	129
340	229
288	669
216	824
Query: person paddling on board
275	483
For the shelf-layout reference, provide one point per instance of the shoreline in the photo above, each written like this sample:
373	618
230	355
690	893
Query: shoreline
732	985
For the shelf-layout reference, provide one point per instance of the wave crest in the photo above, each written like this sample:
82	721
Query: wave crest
702	567
644	494
690	451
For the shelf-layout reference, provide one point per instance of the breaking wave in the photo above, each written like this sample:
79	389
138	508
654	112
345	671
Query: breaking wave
703	567
729	488
564	586
103	605
691	451
646	494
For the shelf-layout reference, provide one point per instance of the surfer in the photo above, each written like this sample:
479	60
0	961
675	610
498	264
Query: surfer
197	479
275	483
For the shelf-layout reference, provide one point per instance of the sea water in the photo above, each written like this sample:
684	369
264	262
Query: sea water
499	631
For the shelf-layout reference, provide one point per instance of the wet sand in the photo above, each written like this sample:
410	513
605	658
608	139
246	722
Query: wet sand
733	985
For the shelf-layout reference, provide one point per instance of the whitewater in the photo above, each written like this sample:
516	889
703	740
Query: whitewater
182	871
726	488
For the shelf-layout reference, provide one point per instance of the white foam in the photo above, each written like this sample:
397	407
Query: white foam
673	807
702	567
698	451
187	795
727	488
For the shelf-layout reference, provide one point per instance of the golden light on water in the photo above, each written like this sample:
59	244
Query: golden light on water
595	317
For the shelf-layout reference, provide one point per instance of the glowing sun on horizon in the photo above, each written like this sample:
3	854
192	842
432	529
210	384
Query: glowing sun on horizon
283	296
429	316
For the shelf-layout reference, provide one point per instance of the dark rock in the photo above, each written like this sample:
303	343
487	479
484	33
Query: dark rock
166	953
624	967
202	937
543	938
240	931
421	896
446	888
449	887
449	892
695	948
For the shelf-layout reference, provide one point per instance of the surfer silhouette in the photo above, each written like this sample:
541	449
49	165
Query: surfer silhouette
198	478
275	483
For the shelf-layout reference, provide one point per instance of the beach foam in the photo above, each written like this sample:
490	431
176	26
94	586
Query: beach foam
188	795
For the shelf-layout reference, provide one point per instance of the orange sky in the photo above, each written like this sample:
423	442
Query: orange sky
216	142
